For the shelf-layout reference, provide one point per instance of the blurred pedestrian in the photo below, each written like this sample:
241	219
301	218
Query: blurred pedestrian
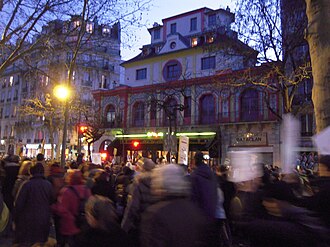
67	207
174	221
139	199
32	212
104	229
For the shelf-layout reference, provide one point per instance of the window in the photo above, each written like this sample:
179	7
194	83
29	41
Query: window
157	34
193	24
207	109
103	83
172	70
170	111
89	27
153	110
138	114
173	28
208	63
249	105
11	81
194	42
141	74
110	115
187	106
306	125
76	24
212	20
106	30
172	45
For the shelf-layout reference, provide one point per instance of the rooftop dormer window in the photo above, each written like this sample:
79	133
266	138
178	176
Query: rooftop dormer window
173	28
193	24
212	20
157	34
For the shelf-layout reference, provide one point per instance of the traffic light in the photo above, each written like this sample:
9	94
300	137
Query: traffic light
136	144
82	129
104	156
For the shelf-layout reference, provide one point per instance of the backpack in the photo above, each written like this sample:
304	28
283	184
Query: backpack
80	217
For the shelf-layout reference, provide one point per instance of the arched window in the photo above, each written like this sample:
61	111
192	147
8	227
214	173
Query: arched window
207	109
110	115
249	105
138	114
170	111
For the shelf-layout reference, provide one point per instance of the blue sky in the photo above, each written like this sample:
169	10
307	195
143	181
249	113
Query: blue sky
166	8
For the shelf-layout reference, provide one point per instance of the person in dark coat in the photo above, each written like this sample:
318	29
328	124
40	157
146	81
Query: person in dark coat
138	200
11	169
174	221
104	229
32	211
204	186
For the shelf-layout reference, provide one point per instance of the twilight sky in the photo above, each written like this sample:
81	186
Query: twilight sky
166	8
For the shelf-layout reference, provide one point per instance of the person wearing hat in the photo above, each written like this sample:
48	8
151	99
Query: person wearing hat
139	199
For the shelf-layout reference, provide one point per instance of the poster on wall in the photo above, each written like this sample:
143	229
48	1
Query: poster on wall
183	150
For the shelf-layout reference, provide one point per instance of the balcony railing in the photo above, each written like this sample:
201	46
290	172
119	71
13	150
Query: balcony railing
220	118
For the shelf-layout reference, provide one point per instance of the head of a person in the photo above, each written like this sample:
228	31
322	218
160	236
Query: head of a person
25	167
40	157
170	181
324	165
146	165
73	165
55	170
74	177
37	169
100	212
199	158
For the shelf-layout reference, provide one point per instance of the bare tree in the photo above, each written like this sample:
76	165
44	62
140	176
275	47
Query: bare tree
259	26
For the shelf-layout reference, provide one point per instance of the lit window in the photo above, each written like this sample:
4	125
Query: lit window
141	74
210	39
157	34
89	28
193	24
106	30
208	63
194	42
103	83
76	24
11	80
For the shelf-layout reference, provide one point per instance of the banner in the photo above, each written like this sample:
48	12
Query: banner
183	150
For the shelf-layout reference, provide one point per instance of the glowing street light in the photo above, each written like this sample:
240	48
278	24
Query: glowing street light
63	93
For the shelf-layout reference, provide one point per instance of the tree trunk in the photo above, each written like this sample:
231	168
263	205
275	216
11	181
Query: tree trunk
318	37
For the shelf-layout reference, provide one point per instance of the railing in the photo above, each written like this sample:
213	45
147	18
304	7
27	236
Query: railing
220	118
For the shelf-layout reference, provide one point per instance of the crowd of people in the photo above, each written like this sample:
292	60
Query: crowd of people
152	204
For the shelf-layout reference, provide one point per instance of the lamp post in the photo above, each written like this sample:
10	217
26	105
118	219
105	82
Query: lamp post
63	93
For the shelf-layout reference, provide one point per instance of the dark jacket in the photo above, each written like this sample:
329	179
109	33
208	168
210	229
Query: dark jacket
11	170
139	199
204	189
114	237
32	211
175	223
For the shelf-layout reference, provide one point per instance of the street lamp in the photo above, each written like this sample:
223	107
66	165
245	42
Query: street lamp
62	92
